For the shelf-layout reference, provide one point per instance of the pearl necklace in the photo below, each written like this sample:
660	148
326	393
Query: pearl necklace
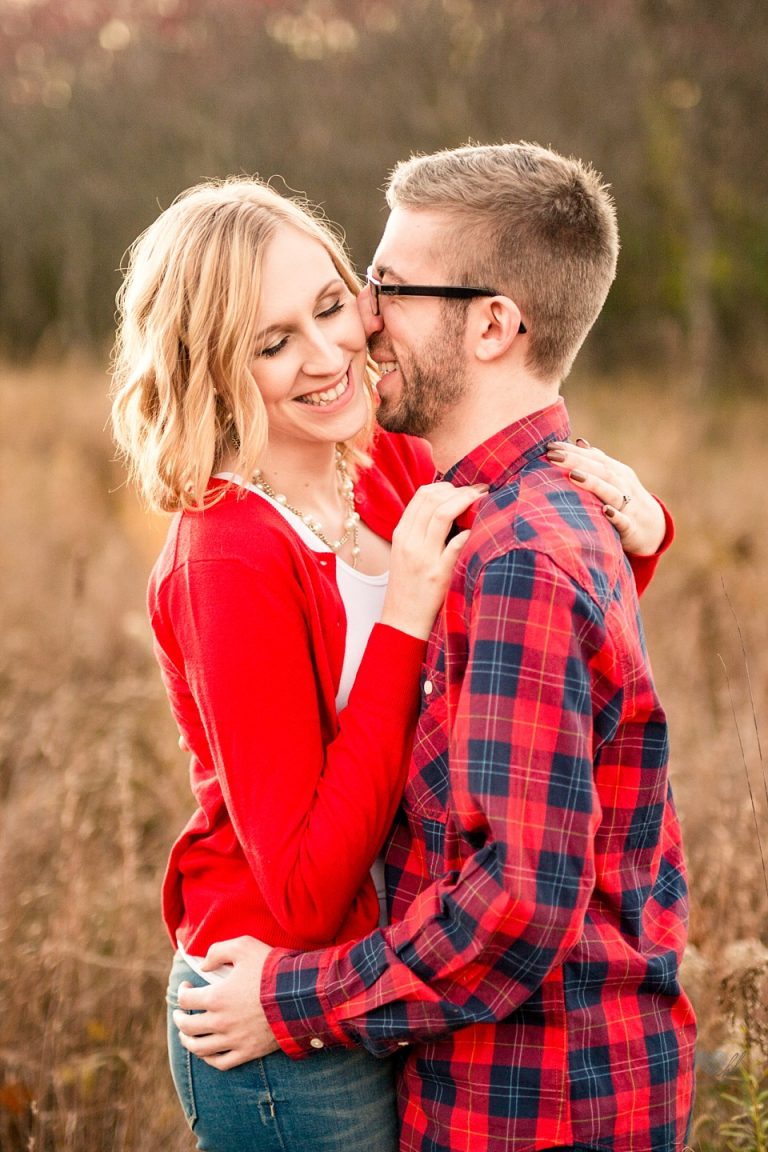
351	519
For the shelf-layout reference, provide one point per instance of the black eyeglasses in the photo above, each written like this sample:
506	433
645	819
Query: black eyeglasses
377	290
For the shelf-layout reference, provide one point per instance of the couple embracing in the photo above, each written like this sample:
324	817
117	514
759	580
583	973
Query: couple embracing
433	894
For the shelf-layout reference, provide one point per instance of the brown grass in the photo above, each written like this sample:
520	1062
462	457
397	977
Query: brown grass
93	787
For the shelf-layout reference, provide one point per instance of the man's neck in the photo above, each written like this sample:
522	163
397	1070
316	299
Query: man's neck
484	411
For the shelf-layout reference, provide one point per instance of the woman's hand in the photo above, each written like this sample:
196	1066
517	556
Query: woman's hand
635	514
422	560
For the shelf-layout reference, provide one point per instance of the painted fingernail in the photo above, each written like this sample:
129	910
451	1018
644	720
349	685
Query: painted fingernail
579	477
555	455
609	512
582	442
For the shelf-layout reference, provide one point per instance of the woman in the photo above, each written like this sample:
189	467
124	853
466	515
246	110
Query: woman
290	607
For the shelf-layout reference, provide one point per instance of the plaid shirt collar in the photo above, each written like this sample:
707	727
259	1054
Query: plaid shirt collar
497	460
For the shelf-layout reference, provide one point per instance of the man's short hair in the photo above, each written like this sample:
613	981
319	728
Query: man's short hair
531	224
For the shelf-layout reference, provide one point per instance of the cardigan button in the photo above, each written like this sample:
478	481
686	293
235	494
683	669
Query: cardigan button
428	687
316	1042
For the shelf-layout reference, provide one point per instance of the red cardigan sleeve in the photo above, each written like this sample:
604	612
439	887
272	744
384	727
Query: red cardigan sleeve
310	804
644	567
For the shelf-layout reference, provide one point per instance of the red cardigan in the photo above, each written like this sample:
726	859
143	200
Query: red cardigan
294	802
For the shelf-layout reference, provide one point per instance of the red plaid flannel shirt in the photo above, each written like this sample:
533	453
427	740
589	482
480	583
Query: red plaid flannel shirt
529	977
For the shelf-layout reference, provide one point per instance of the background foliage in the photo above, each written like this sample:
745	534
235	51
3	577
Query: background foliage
109	108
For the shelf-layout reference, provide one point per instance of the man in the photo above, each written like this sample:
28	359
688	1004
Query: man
536	880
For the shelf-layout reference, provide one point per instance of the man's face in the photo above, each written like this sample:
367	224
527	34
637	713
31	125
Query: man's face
417	341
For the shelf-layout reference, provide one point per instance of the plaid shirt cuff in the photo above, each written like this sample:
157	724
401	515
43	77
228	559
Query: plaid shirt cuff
299	1014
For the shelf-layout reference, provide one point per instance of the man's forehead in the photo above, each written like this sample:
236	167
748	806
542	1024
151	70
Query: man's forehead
411	246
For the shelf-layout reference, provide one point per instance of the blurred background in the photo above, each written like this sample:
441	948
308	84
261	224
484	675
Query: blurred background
107	111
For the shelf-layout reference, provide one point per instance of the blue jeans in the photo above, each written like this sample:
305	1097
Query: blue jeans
336	1100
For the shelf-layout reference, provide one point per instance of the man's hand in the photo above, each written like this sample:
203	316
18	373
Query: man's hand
228	1026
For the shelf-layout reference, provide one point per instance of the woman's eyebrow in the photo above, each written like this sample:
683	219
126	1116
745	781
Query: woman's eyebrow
278	327
263	336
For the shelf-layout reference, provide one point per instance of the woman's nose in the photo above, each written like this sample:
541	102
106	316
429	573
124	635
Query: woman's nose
324	353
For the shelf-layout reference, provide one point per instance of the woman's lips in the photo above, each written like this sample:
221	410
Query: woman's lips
324	397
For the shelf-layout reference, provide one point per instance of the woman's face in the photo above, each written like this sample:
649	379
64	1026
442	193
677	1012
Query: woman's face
310	353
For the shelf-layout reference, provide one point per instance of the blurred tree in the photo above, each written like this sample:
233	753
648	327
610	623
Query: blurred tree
107	112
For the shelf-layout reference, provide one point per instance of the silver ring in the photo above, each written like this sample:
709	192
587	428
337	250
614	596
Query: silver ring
624	501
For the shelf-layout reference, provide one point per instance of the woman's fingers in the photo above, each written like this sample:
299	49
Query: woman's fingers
620	520
454	547
607	491
581	455
435	506
423	556
636	515
611	481
423	531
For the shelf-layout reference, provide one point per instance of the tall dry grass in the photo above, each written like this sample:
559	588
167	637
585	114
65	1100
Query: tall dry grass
93	787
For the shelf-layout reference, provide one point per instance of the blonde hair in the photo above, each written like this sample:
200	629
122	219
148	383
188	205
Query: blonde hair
528	223
183	394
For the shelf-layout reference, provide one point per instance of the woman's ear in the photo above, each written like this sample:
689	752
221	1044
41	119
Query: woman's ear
498	325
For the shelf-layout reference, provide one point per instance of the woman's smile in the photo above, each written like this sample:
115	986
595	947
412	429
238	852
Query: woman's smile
327	397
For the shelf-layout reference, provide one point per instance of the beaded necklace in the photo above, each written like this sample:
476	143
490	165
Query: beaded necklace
351	519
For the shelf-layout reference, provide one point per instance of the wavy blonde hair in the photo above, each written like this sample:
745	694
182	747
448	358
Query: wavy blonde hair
184	397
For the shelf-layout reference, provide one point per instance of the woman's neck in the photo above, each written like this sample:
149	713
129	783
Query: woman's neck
307	477
329	512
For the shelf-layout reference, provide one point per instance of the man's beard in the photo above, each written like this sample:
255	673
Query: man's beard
433	381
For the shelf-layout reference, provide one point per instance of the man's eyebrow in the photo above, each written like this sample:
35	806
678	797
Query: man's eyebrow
383	270
263	335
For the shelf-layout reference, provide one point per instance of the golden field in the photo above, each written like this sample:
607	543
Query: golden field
93	787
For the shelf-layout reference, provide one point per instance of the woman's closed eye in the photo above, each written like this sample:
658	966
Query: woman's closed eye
274	348
332	310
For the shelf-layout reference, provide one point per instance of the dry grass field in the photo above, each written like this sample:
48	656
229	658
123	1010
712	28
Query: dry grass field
93	787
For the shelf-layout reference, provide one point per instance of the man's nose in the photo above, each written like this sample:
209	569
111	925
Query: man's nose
371	323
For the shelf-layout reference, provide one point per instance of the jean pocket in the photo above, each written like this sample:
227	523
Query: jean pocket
181	1070
179	1058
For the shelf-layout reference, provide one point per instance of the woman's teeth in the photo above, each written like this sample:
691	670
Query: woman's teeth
318	399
